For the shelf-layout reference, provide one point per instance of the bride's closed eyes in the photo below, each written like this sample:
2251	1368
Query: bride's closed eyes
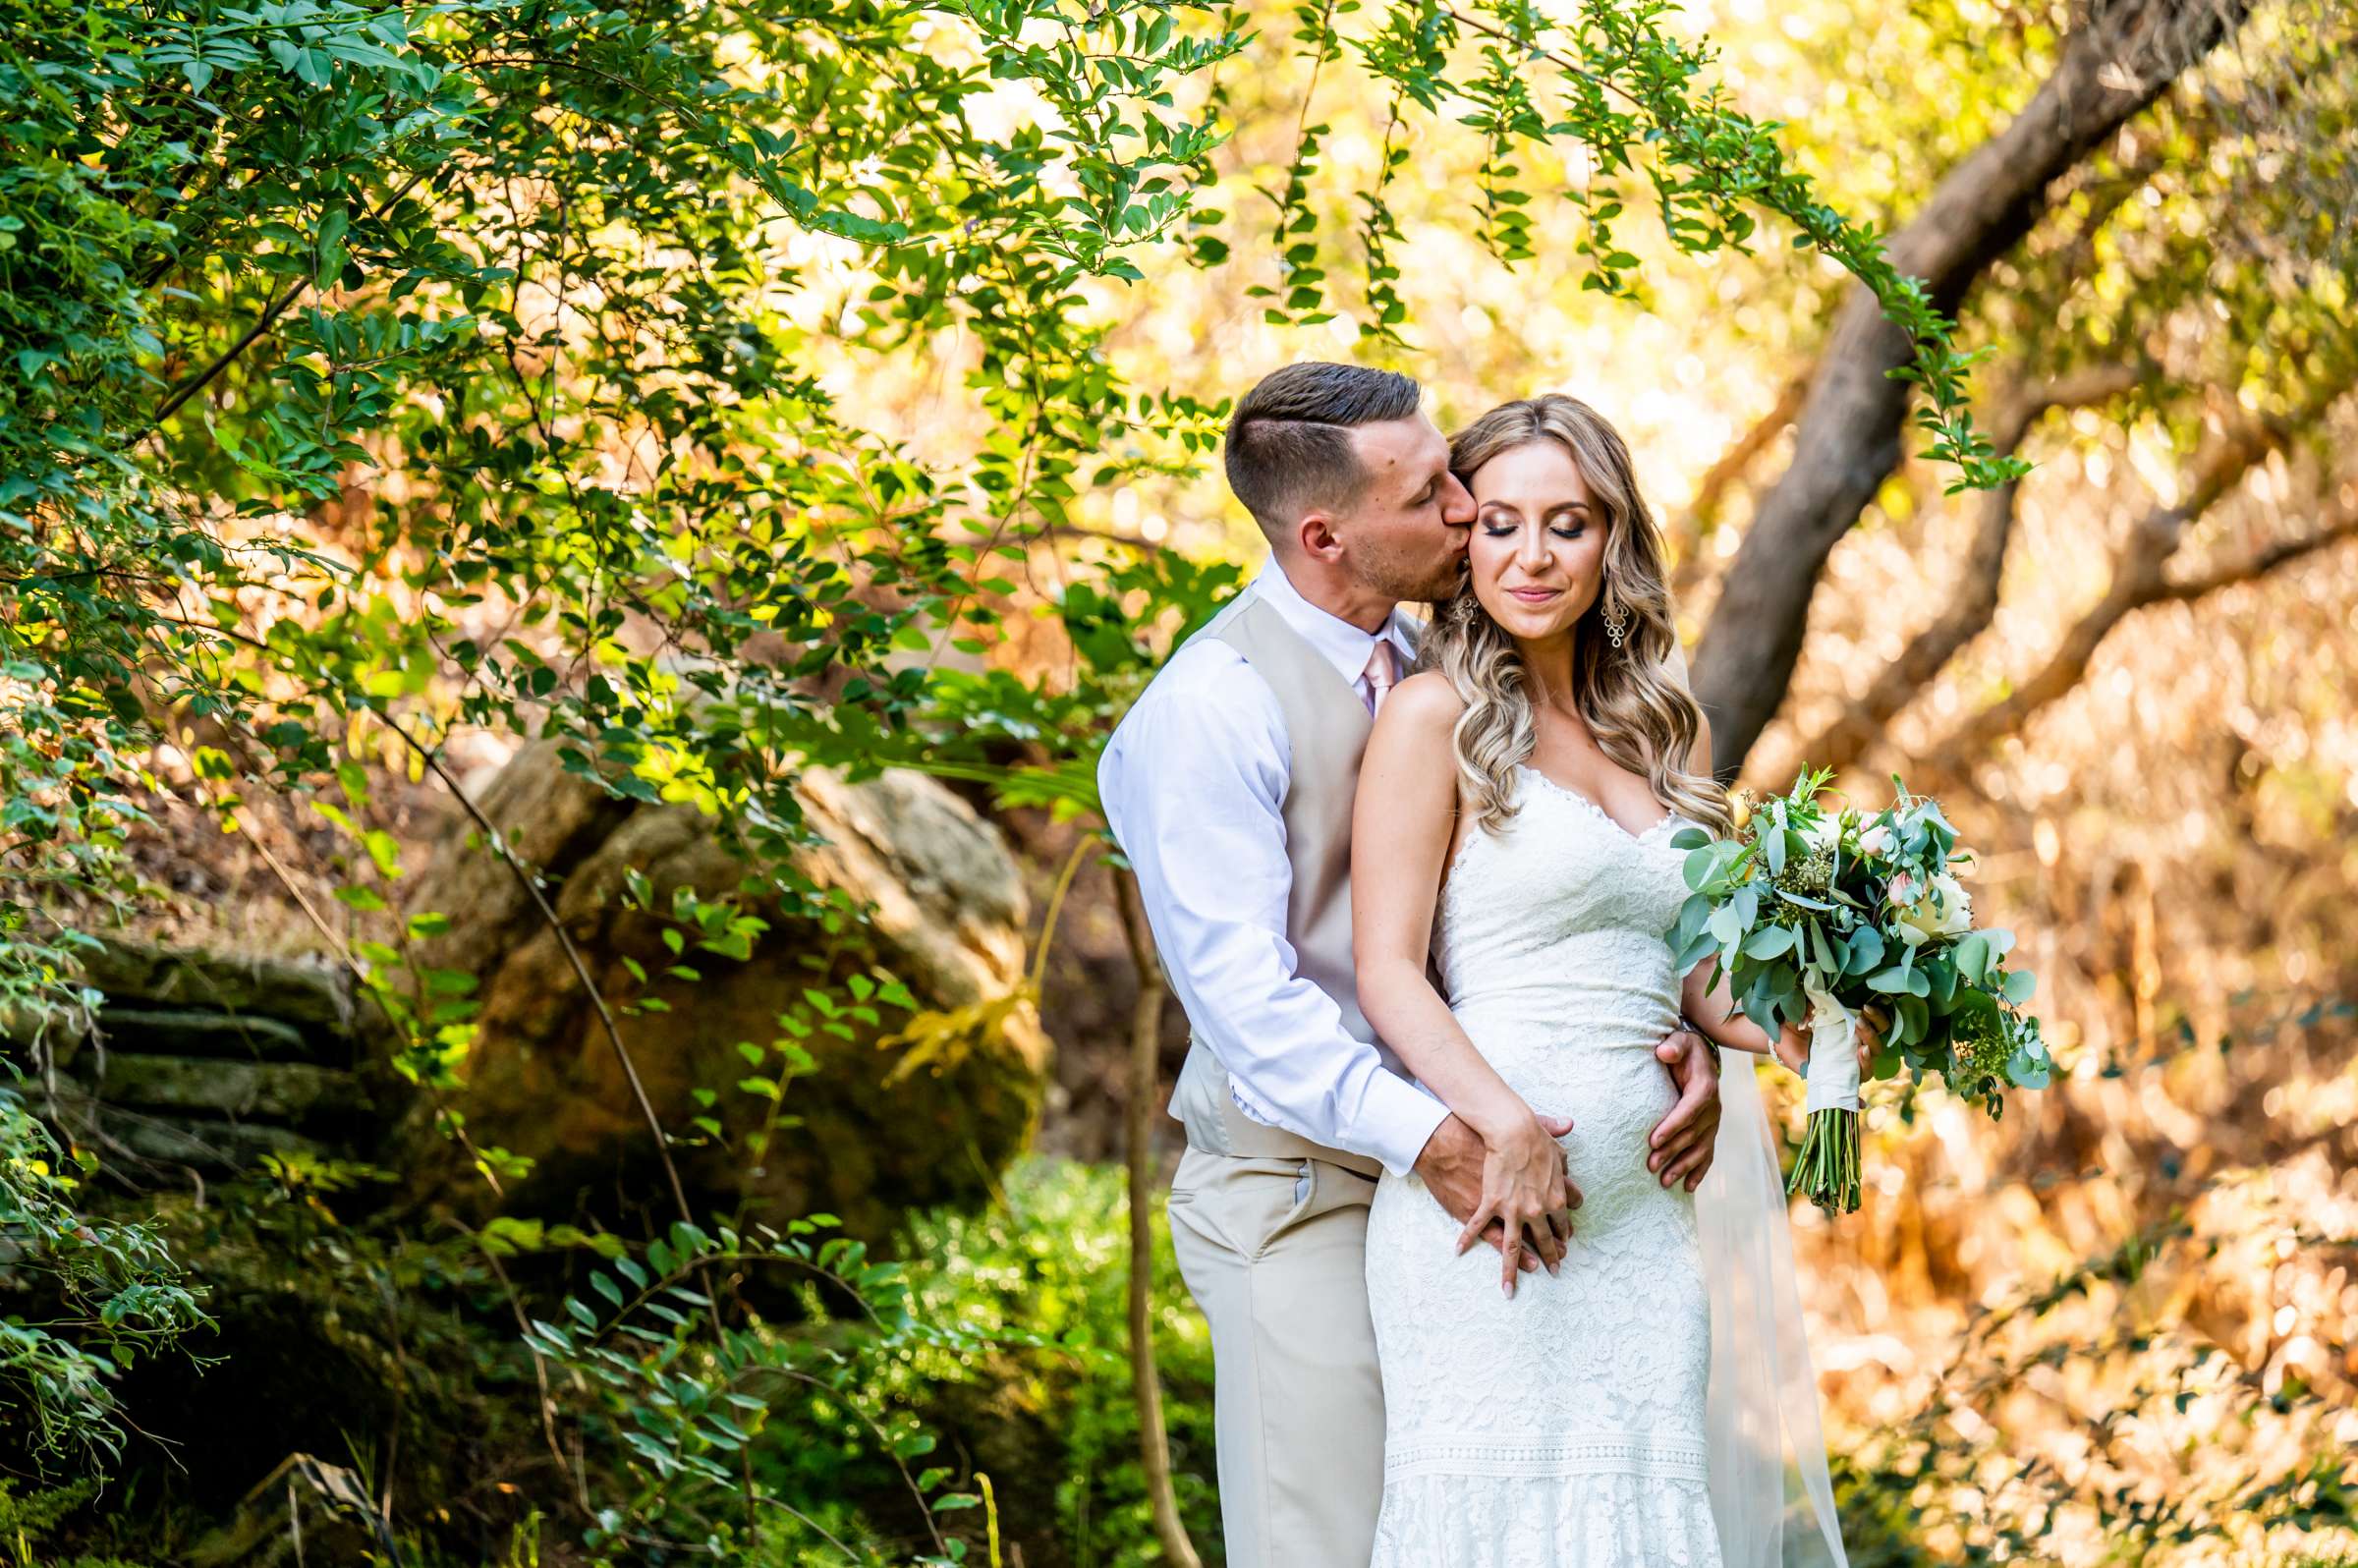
1565	523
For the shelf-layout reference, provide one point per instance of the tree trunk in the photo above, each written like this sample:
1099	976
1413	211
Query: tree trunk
2112	65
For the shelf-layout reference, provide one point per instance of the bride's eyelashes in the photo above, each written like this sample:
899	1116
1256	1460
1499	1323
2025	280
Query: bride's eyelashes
1570	531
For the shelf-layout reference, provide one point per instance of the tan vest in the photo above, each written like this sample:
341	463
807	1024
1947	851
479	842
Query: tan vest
1326	729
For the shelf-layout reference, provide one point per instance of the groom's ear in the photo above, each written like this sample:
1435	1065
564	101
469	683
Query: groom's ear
1317	539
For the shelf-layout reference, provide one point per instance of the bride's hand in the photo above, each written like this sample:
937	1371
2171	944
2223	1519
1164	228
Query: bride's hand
1792	1047
1524	1189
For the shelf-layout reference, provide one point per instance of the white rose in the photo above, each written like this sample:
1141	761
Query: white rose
1942	909
1876	840
1956	908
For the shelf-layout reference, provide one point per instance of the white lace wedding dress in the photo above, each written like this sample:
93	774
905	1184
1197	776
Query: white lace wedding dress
1566	1428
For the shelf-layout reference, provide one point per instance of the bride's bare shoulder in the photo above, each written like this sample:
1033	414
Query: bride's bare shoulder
1409	764
1423	705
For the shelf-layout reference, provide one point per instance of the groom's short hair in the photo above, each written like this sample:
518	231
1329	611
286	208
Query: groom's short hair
1289	442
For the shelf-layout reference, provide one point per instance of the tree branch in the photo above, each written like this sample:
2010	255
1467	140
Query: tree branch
2139	579
2109	68
2342	523
1081	530
261	324
1711	490
432	759
1975	602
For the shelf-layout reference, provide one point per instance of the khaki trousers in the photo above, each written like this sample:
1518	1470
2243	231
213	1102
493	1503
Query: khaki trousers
1274	1252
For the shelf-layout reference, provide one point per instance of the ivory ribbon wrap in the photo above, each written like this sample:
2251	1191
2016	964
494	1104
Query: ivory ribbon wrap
1834	1076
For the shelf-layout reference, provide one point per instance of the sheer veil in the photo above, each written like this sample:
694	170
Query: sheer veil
1772	1497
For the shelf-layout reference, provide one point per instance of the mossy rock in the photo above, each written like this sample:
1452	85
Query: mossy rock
876	1138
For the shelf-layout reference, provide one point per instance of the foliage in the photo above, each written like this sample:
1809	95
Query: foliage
1043	1274
109	1293
1950	1475
320	213
27	1518
683	1412
459	1359
1003	1340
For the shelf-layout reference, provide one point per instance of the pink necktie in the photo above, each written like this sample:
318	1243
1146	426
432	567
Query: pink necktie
1380	674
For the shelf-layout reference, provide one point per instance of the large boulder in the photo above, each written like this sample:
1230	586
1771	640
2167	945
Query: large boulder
873	1131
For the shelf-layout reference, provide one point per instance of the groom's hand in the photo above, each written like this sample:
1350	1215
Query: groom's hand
1680	1149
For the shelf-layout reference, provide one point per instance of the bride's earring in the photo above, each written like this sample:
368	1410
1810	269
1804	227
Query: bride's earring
1616	622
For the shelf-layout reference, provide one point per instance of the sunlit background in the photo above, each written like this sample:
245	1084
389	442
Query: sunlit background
2131	1302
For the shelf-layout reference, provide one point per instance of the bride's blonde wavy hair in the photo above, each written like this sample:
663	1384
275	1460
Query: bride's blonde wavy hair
1632	699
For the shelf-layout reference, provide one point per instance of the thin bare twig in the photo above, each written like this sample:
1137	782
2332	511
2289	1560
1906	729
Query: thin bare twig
433	760
573	957
1146	1035
548	1405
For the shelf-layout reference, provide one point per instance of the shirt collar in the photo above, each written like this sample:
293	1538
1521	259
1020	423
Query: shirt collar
1344	645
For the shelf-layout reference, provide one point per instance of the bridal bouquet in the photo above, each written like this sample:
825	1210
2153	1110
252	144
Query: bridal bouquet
1816	912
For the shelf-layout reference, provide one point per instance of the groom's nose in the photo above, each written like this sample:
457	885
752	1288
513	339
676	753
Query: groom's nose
1458	508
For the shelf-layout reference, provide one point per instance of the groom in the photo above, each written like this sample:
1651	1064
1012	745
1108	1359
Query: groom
1229	786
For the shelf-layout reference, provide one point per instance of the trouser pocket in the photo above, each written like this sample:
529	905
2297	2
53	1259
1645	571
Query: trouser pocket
1240	1204
1299	1195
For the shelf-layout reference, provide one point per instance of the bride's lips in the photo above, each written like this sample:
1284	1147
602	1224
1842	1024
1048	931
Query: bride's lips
1536	595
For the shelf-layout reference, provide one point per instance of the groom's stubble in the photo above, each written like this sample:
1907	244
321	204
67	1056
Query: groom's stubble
1406	580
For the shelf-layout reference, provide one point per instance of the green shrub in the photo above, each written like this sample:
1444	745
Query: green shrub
29	1520
1050	1415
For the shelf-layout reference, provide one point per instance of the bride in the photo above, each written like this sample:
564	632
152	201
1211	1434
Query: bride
1650	1402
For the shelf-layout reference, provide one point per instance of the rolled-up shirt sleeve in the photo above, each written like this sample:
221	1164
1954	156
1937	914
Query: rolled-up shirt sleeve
1194	784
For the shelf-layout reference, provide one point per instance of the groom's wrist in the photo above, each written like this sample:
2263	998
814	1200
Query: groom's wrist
1400	1120
1453	1145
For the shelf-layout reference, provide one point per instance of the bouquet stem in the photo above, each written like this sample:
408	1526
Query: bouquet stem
1828	1166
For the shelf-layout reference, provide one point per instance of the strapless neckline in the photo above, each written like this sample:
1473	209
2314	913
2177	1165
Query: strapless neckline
1553	787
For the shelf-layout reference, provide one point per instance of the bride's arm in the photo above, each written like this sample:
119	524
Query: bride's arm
1712	1008
1402	820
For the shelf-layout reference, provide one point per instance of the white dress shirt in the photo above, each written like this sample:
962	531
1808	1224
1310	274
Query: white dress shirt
1193	783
